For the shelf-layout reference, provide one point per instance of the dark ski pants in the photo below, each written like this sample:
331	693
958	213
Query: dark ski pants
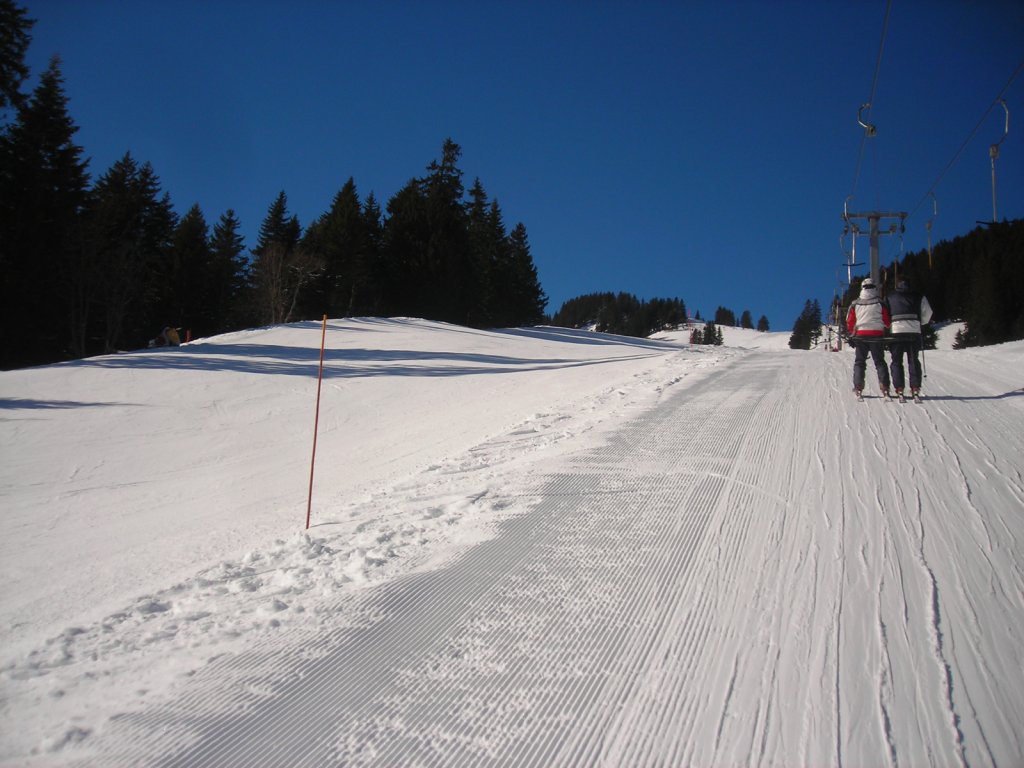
908	348
860	360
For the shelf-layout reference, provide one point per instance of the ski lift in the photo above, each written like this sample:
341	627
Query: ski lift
901	228
850	228
848	255
993	152
851	258
868	127
835	316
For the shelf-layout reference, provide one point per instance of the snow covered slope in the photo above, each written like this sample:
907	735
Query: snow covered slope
530	547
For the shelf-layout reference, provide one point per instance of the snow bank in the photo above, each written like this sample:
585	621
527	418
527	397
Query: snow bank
135	470
153	503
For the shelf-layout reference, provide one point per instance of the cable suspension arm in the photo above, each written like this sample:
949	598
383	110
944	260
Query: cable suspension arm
956	156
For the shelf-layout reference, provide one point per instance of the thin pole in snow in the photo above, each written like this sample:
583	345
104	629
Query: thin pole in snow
924	369
316	421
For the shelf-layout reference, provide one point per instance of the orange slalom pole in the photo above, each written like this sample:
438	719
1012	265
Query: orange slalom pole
316	421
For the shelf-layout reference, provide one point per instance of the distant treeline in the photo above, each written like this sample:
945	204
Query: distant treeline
625	314
621	313
93	268
977	278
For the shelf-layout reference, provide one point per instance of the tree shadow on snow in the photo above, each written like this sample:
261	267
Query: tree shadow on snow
273	359
575	336
25	403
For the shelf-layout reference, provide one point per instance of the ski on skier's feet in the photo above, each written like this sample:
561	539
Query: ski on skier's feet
859	394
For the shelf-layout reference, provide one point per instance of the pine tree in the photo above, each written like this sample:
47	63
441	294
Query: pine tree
993	310
226	273
798	339
814	322
341	240
281	267
712	334
130	231
762	324
403	266
14	41
426	246
373	226
807	327
278	227
449	279
191	290
746	321
43	195
527	296
488	256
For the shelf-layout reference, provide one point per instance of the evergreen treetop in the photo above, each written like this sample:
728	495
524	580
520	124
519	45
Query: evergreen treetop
807	327
14	41
43	200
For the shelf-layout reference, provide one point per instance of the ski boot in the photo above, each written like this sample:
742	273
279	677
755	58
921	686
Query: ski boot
916	394
900	395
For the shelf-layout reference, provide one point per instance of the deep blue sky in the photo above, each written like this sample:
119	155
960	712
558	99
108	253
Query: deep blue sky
694	149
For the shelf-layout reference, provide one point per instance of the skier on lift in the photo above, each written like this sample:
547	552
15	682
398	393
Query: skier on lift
866	322
909	312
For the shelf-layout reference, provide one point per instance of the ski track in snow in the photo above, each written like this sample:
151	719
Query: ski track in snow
729	578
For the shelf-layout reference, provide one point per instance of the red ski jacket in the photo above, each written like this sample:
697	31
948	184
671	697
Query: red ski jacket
868	316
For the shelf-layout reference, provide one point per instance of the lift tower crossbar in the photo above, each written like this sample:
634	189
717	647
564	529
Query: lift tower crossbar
874	231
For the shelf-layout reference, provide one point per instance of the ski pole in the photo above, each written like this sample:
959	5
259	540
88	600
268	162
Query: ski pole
924	369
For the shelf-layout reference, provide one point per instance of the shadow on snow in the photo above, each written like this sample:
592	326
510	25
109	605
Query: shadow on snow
271	359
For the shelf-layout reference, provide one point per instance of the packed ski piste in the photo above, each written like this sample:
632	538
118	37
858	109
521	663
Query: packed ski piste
531	547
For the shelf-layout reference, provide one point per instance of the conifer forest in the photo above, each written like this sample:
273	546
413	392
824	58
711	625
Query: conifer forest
98	265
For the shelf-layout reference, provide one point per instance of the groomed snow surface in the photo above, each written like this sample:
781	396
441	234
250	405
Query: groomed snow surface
536	547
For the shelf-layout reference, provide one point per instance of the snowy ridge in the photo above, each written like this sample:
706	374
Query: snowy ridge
697	557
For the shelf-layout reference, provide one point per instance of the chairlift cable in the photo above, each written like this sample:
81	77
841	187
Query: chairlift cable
869	130
970	137
881	47
928	226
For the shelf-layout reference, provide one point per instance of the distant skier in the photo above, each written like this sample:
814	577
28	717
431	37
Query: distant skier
168	338
866	322
909	312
